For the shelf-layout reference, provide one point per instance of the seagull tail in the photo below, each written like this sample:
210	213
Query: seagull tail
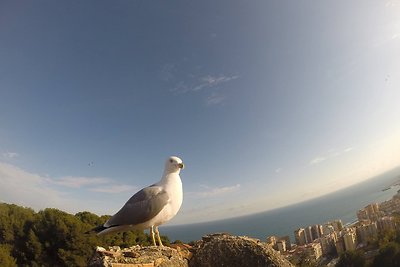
101	229
97	229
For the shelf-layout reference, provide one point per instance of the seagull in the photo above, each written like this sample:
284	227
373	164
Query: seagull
151	206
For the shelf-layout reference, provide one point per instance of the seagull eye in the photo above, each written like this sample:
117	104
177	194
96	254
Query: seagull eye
171	160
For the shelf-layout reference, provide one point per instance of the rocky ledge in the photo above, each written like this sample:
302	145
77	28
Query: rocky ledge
138	256
213	250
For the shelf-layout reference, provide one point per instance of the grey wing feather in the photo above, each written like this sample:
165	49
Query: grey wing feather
141	207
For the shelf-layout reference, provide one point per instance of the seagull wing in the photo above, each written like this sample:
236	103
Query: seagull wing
141	207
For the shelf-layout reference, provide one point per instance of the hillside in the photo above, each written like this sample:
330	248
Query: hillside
52	237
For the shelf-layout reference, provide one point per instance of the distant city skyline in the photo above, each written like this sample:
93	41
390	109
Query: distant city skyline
325	243
267	103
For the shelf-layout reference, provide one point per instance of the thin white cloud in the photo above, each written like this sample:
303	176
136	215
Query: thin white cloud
24	188
317	160
216	80
332	153
348	149
27	189
278	170
167	72
215	99
113	189
78	182
202	83
196	83
10	155
93	184
214	191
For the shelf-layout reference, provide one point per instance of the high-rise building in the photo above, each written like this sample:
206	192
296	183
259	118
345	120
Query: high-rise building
286	238
328	244
313	250
316	231
369	212
309	236
281	246
339	245
337	225
349	239
327	229
367	231
300	236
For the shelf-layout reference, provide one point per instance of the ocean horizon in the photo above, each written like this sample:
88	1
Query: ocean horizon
342	204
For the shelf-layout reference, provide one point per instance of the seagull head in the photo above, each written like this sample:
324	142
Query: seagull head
174	164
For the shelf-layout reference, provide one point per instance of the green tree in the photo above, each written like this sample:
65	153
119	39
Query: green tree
12	222
6	260
89	218
62	235
351	259
55	238
33	248
389	255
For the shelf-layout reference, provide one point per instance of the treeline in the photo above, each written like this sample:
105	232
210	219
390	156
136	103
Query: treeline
52	237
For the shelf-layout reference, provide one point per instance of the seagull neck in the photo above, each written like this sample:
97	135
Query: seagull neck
168	176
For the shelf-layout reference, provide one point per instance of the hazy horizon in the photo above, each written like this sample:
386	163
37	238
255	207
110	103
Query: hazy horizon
342	204
305	200
277	208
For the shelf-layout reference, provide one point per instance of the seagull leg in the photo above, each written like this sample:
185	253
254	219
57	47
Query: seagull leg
158	237
152	235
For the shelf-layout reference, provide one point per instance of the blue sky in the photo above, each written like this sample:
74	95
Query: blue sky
268	103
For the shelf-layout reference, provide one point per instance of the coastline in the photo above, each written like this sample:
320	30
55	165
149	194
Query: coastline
342	204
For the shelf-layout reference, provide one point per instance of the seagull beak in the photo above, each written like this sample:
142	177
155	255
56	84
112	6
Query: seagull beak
181	165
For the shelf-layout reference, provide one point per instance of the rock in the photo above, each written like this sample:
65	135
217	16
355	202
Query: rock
183	249
213	250
227	250
137	256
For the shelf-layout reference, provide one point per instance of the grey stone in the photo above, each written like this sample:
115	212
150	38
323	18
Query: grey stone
227	250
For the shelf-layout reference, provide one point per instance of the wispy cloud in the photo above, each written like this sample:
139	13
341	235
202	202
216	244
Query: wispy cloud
10	155
211	81
332	153
278	170
348	149
205	82
113	189
214	191
93	184
167	72
317	160
78	182
215	99
28	189
182	81
24	188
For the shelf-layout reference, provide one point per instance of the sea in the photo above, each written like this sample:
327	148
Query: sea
342	204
